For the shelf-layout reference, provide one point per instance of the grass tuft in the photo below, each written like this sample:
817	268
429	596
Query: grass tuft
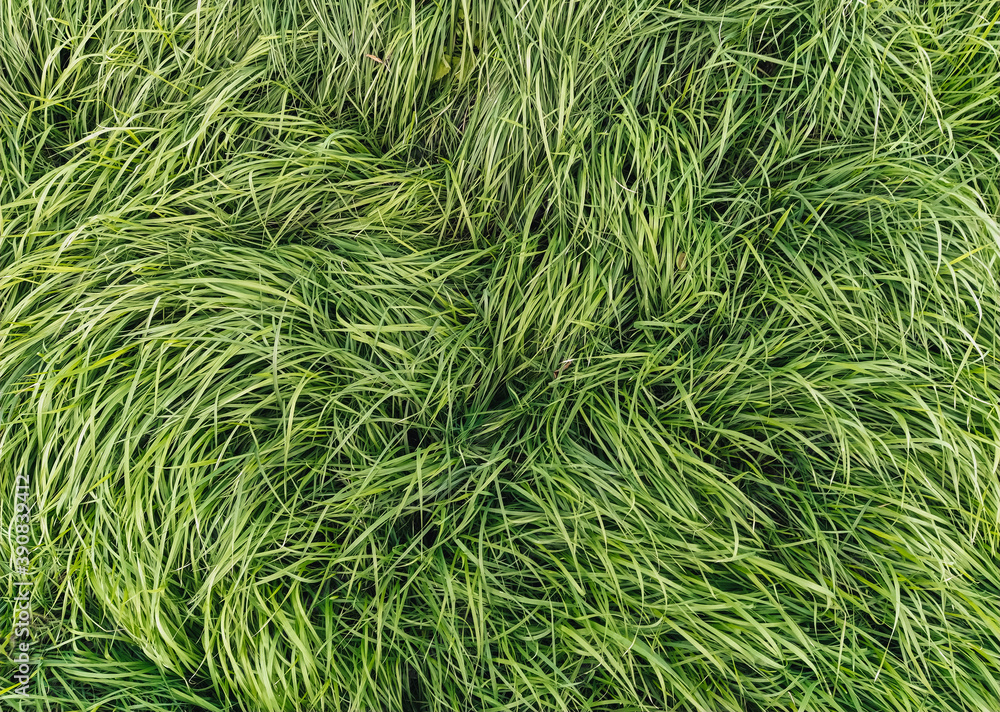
439	356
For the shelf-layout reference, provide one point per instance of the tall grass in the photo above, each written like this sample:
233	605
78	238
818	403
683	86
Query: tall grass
547	355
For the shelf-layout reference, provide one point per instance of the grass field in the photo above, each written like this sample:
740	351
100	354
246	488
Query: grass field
514	356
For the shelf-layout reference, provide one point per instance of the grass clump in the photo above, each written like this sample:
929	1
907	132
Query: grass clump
541	356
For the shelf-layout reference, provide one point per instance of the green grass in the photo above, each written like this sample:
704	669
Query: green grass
617	355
